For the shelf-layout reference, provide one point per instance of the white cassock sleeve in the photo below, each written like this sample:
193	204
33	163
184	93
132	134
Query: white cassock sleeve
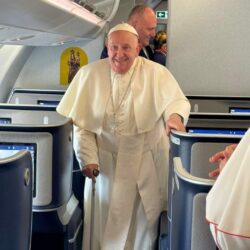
180	107
85	147
178	103
228	202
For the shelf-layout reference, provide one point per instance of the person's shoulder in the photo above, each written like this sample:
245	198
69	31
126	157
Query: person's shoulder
160	58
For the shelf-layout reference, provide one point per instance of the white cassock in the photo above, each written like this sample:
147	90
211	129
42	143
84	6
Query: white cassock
119	126
228	202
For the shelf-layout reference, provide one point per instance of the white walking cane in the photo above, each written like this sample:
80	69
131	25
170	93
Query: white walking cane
92	221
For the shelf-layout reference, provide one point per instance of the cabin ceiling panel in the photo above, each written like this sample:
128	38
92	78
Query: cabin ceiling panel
14	36
38	23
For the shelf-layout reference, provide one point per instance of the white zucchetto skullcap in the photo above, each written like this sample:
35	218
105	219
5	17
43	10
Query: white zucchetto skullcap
124	27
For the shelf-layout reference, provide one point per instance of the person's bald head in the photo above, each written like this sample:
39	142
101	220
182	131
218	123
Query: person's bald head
143	19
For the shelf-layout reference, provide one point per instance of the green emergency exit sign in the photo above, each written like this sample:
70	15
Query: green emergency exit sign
162	14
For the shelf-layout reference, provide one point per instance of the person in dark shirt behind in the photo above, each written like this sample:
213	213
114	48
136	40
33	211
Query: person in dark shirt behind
143	19
160	47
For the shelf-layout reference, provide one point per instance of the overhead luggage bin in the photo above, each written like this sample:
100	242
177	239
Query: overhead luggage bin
53	22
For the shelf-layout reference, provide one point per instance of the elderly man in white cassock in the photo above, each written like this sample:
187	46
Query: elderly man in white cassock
122	108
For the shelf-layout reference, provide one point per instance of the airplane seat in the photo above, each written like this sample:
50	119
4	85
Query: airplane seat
35	96
200	154
41	97
188	216
188	186
16	201
56	211
64	211
222	104
59	229
201	236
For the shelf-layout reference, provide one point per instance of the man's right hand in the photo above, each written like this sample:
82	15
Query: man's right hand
221	158
88	171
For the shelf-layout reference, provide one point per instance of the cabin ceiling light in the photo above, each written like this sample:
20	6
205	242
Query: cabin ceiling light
75	9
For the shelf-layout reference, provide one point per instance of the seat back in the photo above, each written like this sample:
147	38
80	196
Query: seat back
36	96
189	229
57	215
201	237
200	153
215	104
188	186
16	201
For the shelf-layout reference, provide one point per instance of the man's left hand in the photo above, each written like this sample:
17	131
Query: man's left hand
174	122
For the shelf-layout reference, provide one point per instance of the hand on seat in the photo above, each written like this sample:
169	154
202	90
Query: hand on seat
221	158
175	122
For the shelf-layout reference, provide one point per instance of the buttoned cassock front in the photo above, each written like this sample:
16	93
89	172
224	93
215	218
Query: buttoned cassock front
131	190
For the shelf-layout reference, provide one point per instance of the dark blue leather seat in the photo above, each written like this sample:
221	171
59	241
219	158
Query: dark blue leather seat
188	187
16	201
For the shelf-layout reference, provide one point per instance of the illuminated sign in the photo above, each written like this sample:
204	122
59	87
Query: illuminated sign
162	14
